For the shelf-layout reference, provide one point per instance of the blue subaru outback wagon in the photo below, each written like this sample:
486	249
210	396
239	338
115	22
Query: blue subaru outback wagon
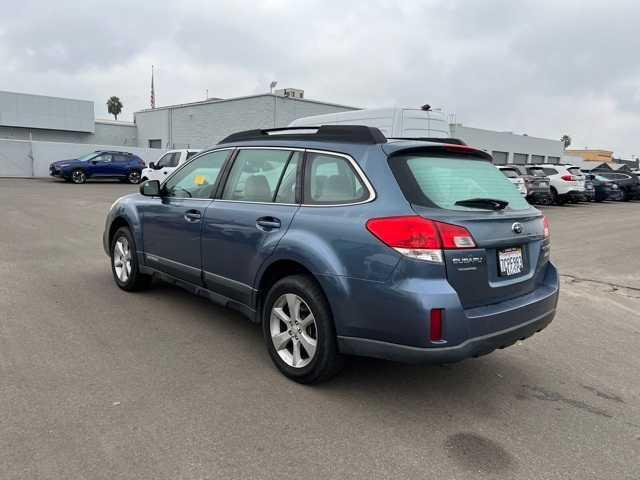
339	241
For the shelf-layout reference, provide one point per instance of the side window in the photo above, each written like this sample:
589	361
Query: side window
255	175
165	160
287	188
191	154
330	179
121	158
105	157
198	178
173	159
549	171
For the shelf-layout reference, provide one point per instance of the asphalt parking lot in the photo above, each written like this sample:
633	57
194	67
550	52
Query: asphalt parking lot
99	384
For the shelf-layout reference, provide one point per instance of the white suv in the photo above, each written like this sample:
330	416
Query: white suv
567	182
514	177
167	164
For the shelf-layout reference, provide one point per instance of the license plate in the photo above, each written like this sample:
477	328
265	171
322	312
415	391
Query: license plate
510	261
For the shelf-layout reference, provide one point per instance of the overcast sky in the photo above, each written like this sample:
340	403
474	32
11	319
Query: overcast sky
541	67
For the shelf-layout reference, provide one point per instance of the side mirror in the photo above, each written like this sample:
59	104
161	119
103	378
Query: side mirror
152	165
150	188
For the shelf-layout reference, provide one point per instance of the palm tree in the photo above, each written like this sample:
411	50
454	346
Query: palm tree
566	140
114	106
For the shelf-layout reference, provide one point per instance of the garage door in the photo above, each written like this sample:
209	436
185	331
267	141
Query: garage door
520	158
500	158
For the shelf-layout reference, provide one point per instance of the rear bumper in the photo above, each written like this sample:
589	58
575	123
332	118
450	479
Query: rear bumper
468	332
540	196
474	347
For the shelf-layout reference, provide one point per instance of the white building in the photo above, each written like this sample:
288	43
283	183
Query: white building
508	147
202	124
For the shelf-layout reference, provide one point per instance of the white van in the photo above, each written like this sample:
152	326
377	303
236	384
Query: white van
393	122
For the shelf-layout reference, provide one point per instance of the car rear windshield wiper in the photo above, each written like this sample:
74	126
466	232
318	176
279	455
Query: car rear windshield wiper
486	203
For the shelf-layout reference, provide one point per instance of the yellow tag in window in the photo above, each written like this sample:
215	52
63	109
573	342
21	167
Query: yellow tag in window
200	180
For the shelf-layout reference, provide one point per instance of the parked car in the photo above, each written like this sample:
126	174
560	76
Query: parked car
567	182
603	189
536	183
124	166
627	182
404	250
514	177
167	164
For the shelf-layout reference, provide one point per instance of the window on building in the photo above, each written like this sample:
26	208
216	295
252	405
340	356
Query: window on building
537	159
553	159
500	158
520	158
155	143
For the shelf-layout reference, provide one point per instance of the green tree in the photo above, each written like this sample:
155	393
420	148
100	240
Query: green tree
566	140
114	106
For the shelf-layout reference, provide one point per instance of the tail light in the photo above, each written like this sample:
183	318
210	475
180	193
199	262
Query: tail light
420	238
568	178
545	223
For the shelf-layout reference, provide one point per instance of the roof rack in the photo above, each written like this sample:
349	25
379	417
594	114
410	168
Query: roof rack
451	141
324	133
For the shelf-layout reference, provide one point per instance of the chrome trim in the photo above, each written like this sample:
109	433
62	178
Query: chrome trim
293	149
160	259
230	280
258	203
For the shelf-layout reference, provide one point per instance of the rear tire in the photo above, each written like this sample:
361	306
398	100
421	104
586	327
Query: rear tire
296	317
133	177
557	199
124	262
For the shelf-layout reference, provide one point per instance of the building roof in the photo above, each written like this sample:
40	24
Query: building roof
217	100
119	123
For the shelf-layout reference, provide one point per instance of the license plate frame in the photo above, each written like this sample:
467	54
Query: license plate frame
510	262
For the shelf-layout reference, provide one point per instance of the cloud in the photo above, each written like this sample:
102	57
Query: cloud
540	67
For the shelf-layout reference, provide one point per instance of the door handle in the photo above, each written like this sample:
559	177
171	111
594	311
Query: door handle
268	223
192	216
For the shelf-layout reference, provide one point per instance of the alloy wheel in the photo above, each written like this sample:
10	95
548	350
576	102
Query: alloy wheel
293	330
122	259
134	177
78	176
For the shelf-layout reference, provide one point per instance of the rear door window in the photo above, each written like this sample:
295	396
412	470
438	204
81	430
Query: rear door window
256	175
331	180
434	181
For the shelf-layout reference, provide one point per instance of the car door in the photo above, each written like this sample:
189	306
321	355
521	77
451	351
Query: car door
172	223
120	164
242	228
100	166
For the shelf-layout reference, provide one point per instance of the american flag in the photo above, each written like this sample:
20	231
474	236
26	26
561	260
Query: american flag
153	93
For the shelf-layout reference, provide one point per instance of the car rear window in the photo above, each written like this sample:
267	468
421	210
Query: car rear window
574	171
434	181
538	172
509	172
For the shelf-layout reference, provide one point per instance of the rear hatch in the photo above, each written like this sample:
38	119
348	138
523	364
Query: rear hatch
537	179
578	178
510	250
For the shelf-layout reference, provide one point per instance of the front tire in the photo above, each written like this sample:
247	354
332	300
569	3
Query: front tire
124	262
299	332
78	176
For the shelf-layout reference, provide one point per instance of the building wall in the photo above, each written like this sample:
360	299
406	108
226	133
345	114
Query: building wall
203	124
19	158
106	133
514	148
43	112
115	133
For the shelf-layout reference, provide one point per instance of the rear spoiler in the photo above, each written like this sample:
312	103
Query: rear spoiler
461	150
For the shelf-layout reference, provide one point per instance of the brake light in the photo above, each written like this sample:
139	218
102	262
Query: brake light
568	178
420	238
435	325
545	224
